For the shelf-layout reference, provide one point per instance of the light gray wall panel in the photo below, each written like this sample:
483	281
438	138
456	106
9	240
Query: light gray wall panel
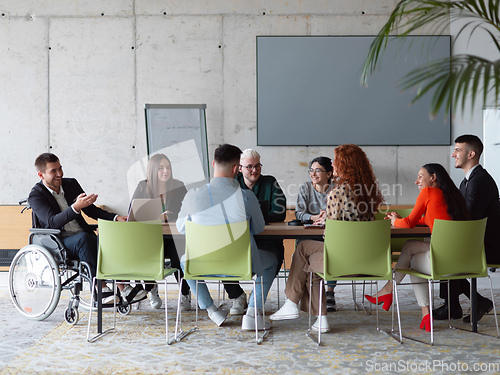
23	103
259	7
343	24
51	8
411	159
179	61
92	104
240	94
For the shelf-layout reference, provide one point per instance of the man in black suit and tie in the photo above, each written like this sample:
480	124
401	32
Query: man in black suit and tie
57	203
481	196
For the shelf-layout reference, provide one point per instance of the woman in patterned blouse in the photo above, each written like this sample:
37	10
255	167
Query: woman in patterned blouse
355	197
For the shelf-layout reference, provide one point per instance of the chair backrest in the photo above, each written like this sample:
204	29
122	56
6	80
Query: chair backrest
47	238
397	243
457	249
403	212
358	250
130	250
218	250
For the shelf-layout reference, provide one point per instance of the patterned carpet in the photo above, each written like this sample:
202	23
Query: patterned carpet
354	346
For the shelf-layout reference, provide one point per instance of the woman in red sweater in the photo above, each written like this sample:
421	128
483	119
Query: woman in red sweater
439	198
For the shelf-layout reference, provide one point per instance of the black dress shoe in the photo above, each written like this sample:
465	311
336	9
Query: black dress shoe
330	302
483	308
441	313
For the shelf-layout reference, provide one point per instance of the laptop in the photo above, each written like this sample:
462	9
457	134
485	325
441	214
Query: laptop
146	209
264	207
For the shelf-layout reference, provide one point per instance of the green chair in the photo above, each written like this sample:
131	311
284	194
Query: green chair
397	243
356	251
456	252
216	253
130	251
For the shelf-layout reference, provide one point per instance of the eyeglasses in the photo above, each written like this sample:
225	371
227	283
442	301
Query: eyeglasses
317	171
250	167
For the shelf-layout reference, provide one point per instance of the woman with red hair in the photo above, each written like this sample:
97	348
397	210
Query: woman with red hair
355	197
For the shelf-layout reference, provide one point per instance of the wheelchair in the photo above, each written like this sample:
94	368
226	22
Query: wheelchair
41	270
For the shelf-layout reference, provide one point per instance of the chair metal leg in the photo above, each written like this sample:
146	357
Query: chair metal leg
494	308
278	280
429	283
430	308
95	338
376	307
395	294
494	313
358	306
166	314
179	332
256	313
309	333
263	309
261	339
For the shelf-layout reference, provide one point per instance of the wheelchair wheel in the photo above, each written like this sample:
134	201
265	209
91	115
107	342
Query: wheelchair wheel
71	315
124	309
34	282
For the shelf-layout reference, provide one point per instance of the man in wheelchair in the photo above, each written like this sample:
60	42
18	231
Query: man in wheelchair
57	203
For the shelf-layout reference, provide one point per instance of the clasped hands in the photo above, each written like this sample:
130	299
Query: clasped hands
320	218
392	216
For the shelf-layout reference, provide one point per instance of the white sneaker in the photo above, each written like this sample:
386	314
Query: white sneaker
325	327
248	323
219	316
239	305
108	297
128	289
186	302
289	310
154	298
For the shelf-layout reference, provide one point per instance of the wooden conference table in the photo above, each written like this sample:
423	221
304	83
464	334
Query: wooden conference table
284	231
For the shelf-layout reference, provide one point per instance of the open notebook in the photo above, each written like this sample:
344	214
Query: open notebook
146	209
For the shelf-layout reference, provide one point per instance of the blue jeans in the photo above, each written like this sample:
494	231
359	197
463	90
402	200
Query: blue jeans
269	264
82	246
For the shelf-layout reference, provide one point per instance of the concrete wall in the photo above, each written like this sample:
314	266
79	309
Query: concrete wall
76	74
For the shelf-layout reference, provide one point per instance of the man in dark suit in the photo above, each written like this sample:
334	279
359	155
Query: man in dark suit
57	203
481	196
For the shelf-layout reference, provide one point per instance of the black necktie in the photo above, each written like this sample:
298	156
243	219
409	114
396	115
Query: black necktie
463	186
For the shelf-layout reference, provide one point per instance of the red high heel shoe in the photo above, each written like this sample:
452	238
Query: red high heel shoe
386	299
426	323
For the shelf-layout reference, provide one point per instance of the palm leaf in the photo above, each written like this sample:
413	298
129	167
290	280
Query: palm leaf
454	79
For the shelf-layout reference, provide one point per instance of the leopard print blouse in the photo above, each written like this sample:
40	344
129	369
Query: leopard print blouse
341	205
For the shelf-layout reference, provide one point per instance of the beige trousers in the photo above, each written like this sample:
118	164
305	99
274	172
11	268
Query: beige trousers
415	255
308	257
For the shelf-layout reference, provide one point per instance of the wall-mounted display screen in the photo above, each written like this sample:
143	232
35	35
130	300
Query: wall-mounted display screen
309	92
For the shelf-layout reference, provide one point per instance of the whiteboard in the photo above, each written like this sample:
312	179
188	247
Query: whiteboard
491	140
179	131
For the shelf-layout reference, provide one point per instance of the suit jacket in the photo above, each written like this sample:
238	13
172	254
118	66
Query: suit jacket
48	213
481	197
